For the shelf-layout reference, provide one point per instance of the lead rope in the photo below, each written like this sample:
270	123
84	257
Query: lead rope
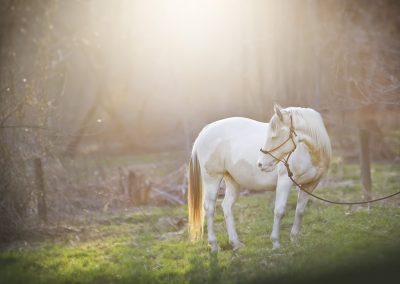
290	174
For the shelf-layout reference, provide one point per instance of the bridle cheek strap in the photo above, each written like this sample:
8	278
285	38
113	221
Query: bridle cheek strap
292	133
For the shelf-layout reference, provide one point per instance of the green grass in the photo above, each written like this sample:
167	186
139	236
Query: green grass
138	246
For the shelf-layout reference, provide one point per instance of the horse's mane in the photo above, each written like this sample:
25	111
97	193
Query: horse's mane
310	122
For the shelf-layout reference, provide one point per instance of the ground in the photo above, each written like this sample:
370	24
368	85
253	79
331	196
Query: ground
150	245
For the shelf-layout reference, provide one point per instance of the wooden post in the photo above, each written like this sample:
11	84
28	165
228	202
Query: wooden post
365	164
41	190
132	187
122	187
146	192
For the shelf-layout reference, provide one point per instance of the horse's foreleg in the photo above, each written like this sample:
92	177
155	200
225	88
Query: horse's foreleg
211	186
282	193
231	194
300	208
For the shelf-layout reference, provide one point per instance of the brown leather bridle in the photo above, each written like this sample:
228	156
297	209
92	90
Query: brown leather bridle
285	162
292	134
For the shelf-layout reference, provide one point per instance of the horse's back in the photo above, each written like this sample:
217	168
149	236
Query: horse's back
235	130
231	146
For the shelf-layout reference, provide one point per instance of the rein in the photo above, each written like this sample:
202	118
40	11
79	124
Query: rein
285	162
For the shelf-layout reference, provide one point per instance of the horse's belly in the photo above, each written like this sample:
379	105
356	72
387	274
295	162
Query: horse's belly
252	177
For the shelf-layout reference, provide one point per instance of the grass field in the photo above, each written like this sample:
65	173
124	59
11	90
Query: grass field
149	245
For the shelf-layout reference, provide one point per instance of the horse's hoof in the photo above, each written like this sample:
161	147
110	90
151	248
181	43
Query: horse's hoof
215	248
294	238
237	246
276	246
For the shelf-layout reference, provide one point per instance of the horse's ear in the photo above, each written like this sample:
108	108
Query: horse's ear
277	110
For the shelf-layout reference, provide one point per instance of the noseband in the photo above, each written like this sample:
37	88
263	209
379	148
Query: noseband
292	133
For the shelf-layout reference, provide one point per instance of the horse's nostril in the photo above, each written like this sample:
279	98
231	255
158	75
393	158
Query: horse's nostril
259	165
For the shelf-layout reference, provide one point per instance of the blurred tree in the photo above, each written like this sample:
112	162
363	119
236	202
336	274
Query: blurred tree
30	78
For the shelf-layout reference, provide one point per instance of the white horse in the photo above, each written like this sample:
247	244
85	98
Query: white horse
229	149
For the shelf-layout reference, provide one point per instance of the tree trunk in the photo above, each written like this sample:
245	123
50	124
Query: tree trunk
365	164
41	190
71	148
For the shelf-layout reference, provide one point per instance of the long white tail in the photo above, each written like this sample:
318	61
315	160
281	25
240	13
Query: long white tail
195	200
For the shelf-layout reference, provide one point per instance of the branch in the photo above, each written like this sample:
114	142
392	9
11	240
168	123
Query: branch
24	126
15	109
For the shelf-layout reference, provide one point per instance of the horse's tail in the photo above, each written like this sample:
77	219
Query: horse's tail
195	199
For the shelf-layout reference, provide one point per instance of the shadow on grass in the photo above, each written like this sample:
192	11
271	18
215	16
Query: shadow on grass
215	270
200	273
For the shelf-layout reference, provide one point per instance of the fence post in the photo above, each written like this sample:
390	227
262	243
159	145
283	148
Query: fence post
365	164
135	188
41	190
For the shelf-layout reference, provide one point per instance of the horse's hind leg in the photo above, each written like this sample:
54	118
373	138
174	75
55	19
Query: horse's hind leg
231	194
210	187
300	208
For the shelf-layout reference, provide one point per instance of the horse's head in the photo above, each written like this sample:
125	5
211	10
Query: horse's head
280	139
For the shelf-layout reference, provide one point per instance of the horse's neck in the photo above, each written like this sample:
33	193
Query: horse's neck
308	163
318	160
